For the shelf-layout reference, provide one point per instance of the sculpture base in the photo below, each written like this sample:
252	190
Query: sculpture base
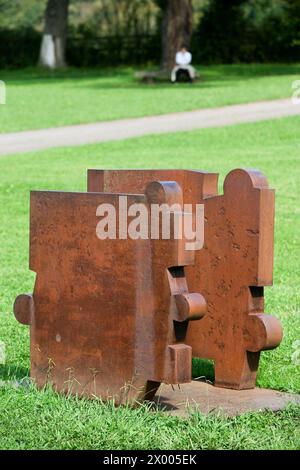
209	399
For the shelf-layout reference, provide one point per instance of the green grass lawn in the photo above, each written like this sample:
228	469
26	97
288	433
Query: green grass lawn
43	419
40	99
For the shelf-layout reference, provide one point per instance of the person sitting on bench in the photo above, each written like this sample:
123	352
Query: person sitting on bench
183	61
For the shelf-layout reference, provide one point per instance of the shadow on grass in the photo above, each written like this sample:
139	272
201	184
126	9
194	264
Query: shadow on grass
123	77
201	368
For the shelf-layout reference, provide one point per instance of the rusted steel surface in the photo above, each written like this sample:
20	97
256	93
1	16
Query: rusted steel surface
103	313
115	318
230	271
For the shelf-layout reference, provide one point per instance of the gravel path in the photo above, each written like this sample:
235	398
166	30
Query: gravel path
29	141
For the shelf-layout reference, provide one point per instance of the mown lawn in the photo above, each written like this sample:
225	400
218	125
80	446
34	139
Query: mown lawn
42	419
40	99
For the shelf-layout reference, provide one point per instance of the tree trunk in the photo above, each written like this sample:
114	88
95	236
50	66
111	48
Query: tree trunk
53	45
176	29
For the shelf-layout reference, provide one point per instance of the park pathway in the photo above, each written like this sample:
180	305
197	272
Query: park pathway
81	134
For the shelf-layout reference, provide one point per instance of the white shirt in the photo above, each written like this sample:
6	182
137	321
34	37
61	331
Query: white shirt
183	58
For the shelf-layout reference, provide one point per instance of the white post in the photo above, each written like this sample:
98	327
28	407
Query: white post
47	54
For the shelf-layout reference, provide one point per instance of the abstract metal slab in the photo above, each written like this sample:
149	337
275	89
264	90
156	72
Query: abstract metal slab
231	270
103	313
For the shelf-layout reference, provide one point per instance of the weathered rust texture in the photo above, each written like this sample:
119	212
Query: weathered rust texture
230	271
105	315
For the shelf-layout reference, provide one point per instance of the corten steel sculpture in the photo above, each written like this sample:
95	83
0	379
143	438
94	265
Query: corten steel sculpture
230	271
113	317
105	315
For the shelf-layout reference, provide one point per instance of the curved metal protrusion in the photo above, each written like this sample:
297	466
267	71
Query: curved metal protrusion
160	192
190	306
24	308
262	332
245	177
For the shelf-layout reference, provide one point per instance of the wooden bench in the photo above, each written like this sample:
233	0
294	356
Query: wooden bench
152	76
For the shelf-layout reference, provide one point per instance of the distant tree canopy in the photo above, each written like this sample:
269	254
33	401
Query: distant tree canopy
139	31
249	30
18	14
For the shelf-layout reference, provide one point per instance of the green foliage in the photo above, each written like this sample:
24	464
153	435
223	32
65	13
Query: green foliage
19	47
131	27
219	31
106	17
225	31
86	50
19	14
248	31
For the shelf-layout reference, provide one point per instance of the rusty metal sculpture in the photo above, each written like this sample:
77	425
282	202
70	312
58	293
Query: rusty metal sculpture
230	271
102	313
113	317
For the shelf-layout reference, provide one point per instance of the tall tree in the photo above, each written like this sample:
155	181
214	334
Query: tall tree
53	45
176	28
